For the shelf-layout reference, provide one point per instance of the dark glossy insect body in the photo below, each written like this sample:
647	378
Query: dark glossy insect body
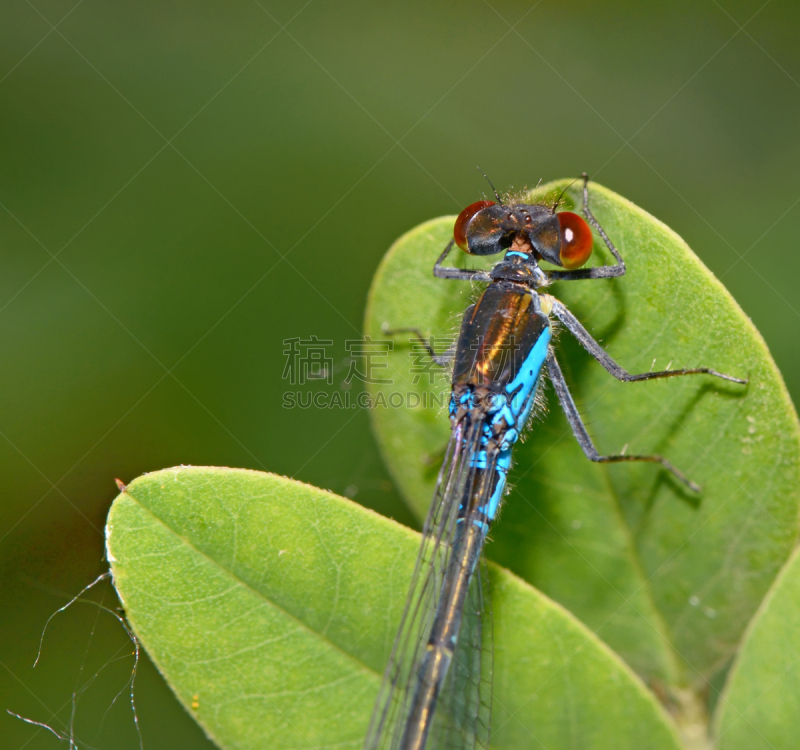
502	349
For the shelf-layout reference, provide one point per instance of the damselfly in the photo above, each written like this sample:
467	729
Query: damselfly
436	689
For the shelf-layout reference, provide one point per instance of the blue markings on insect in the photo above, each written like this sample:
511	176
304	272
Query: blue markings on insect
491	403
513	408
522	389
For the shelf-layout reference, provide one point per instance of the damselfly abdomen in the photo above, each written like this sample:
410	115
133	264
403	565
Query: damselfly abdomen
436	690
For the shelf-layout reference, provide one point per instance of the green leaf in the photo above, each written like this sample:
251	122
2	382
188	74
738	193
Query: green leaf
668	579
760	708
270	607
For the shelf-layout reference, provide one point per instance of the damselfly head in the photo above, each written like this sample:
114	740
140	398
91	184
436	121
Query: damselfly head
486	228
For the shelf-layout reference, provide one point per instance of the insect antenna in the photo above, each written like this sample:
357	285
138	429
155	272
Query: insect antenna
494	189
563	192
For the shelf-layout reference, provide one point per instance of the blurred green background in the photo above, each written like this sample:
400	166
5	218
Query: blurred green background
185	185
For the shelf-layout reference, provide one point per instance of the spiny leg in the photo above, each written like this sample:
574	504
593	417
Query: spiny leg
443	359
574	326
600	272
582	436
460	274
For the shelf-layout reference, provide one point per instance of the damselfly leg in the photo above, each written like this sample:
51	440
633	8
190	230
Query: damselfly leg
435	686
443	359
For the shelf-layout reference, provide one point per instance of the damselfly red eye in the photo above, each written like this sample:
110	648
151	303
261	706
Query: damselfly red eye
460	229
576	240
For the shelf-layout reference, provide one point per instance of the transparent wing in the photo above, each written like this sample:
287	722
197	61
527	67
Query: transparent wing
455	481
462	714
463	719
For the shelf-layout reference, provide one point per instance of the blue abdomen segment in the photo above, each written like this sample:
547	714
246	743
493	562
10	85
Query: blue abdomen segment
520	393
520	398
499	390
